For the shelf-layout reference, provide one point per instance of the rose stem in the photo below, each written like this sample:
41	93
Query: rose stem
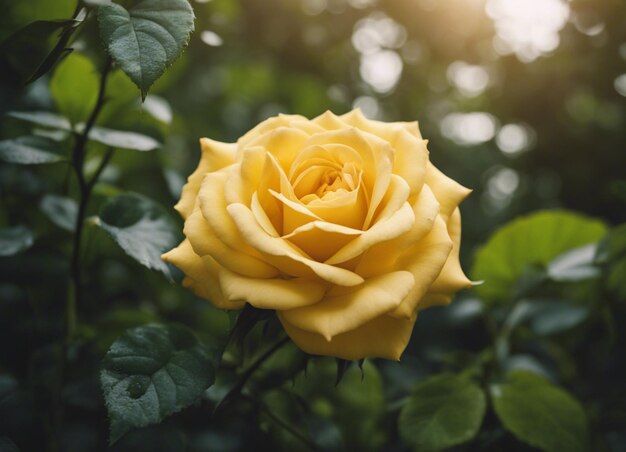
250	370
281	423
85	188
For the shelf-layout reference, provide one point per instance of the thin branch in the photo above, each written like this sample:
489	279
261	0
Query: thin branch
251	369
78	160
282	424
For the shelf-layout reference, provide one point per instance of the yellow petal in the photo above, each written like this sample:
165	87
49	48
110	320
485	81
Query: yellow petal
448	192
245	179
321	239
425	261
215	155
382	257
329	121
213	207
271	293
383	337
339	314
204	242
261	216
399	223
377	156
200	278
269	124
284	143
285	256
452	279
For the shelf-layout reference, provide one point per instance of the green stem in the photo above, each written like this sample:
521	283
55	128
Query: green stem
251	369
281	423
85	187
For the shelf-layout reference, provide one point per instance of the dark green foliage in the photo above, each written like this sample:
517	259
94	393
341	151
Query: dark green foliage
145	39
151	372
140	227
442	412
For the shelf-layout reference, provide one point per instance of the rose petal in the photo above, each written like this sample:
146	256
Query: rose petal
284	255
215	155
382	257
204	242
213	207
397	224
425	261
274	293
452	279
411	154
383	337
321	239
336	315
283	144
244	181
200	278
448	192
377	157
269	124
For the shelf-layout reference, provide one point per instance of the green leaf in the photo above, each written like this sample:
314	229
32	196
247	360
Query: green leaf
140	227
532	240
540	414
62	211
74	87
151	372
123	140
146	38
30	150
15	239
442	412
42	118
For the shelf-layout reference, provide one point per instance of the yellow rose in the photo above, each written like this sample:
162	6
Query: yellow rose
340	224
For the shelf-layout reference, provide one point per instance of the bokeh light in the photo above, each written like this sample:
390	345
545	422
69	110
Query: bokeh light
527	28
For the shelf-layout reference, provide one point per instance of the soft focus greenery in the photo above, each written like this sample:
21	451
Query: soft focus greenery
103	350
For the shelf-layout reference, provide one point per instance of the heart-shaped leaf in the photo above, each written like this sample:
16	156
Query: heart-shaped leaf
140	227
540	414
153	371
442	412
30	150
529	241
147	37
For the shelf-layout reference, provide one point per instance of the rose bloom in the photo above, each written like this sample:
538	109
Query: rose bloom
340	223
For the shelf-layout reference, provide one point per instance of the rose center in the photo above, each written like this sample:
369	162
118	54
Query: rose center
325	182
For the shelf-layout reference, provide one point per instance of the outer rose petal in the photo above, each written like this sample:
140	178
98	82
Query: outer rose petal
272	293
215	156
205	243
384	337
448	192
343	313
452	279
382	257
201	275
425	260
